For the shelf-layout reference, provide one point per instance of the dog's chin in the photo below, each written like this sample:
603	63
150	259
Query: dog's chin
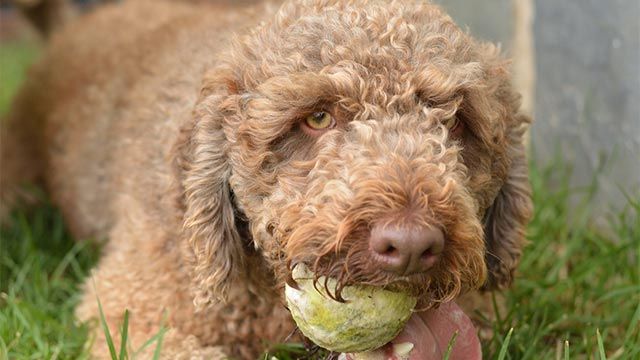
439	284
423	286
430	333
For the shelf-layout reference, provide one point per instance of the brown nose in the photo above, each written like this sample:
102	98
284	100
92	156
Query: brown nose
406	251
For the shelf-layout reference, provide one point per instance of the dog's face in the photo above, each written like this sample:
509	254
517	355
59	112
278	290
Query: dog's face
375	142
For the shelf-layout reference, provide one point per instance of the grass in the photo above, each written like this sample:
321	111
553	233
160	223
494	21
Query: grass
577	282
40	270
15	58
577	295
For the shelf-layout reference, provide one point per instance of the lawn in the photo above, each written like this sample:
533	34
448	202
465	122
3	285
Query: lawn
15	56
577	295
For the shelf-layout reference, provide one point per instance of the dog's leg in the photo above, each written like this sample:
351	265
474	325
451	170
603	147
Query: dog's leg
143	271
152	304
148	282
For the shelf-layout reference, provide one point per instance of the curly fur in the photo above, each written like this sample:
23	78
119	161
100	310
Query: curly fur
208	199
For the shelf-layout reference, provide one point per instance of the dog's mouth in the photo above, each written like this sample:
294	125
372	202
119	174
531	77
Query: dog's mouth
428	335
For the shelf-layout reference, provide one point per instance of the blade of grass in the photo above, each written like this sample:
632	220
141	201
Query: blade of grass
450	345
566	350
67	260
125	331
155	338
150	341
633	325
505	345
603	356
4	351
156	353
494	303
107	333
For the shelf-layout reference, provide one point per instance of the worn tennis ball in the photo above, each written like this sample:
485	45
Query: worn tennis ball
370	317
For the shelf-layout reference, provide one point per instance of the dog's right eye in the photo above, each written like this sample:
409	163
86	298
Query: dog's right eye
455	126
319	121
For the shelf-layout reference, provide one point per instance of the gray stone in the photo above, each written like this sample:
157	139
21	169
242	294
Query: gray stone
587	110
588	92
489	20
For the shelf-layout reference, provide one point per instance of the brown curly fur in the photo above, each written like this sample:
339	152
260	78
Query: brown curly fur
214	202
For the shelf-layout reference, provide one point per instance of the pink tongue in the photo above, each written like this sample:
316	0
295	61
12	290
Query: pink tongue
431	331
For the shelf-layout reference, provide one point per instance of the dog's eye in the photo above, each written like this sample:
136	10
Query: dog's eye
451	122
454	125
320	120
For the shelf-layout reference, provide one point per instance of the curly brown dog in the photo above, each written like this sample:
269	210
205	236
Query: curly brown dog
374	141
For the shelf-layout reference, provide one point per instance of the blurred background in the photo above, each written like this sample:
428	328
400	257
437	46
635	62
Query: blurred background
577	62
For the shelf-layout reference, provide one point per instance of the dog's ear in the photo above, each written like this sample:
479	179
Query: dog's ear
506	220
214	230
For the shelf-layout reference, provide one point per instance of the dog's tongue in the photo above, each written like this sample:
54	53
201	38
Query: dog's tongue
427	336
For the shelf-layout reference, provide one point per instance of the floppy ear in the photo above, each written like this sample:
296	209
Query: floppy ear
506	220
214	230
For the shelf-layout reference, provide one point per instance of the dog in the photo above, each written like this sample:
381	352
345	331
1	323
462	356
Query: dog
216	147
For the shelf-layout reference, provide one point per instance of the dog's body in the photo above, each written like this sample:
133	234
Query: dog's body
132	152
114	98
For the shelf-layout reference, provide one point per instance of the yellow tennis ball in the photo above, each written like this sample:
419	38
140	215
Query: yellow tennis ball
370	317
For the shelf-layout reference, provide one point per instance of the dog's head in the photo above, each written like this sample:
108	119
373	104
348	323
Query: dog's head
375	142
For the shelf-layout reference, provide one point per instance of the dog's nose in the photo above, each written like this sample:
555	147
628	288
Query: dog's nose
406	251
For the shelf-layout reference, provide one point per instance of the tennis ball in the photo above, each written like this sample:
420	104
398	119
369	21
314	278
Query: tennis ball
370	317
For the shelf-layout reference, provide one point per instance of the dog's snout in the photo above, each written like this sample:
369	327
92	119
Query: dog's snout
406	251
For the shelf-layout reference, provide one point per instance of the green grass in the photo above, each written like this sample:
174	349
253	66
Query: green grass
577	295
577	281
15	58
40	270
